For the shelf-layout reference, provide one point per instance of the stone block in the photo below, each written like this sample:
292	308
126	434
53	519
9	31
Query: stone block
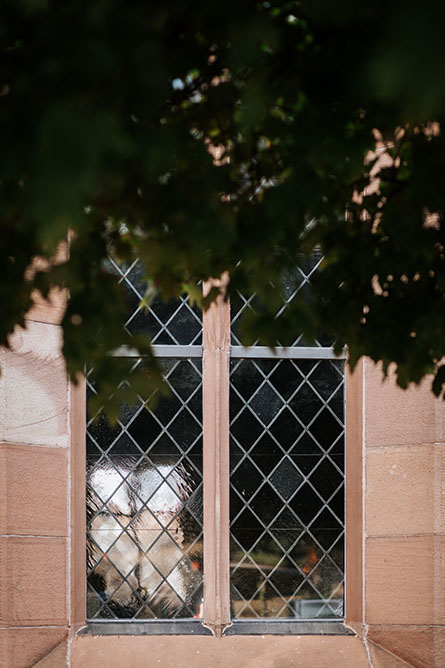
33	581
22	648
400	580
419	646
34	388
400	490
51	310
394	416
33	490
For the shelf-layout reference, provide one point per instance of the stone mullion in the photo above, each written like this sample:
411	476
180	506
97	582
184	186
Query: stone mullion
216	357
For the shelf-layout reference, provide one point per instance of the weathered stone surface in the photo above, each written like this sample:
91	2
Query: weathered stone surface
57	658
206	652
400	580
400	490
383	659
394	416
420	646
34	388
21	648
33	581
49	310
33	490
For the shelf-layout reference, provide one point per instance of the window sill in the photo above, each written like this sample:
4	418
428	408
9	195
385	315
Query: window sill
248	627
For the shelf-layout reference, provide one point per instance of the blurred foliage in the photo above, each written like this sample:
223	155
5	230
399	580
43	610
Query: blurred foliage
111	112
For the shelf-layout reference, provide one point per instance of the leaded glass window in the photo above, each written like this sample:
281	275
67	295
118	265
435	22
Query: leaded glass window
144	476
287	486
275	552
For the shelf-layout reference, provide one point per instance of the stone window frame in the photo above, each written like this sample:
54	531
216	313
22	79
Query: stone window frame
216	610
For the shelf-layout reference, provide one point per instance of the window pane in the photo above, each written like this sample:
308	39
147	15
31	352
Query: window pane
287	484
296	283
174	322
144	504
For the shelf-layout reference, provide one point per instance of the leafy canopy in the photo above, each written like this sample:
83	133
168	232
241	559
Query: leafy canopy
233	136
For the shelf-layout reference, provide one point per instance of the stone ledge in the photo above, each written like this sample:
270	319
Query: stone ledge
206	652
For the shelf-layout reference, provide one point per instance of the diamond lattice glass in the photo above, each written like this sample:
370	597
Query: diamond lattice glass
174	322
287	483
144	491
296	281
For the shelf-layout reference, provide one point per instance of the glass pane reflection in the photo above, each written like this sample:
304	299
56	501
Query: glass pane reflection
144	504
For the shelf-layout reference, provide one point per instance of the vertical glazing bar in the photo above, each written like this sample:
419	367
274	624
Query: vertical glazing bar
216	356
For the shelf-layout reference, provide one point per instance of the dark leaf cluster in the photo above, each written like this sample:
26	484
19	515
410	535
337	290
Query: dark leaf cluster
227	137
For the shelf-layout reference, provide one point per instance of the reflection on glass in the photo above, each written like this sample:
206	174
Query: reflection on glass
144	505
287	516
